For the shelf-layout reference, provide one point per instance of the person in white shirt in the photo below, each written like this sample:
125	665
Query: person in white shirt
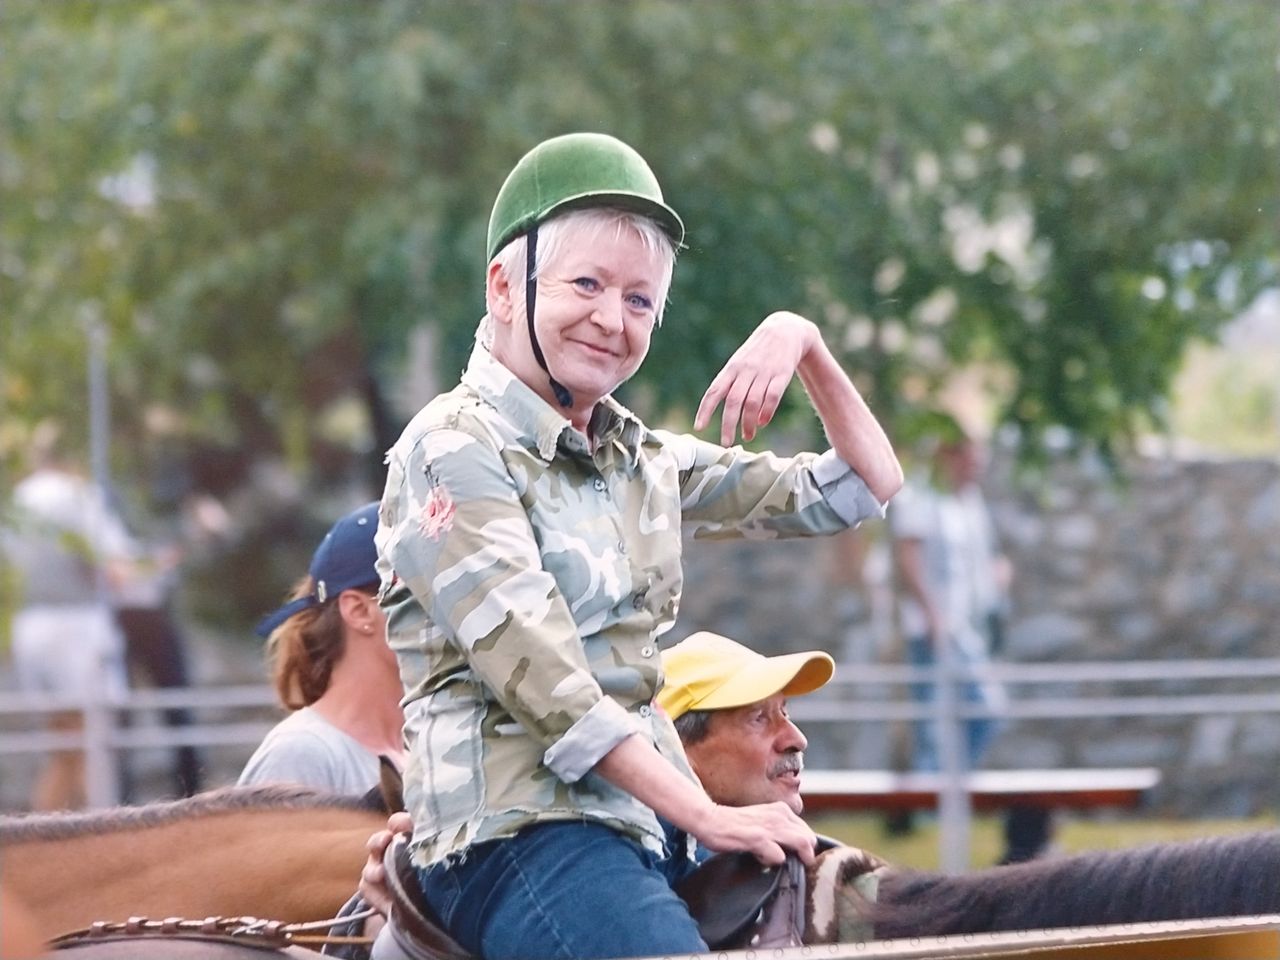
65	550
954	578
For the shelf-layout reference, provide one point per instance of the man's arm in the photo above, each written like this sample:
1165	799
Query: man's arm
751	385
909	552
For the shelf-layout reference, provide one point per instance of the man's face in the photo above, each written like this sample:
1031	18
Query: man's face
751	755
962	463
597	304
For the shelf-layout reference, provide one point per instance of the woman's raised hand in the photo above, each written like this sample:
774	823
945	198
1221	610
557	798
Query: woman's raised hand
752	382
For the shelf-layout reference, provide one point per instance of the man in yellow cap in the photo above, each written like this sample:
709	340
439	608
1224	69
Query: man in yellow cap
729	706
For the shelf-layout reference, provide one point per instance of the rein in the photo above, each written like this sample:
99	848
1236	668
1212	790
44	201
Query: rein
265	933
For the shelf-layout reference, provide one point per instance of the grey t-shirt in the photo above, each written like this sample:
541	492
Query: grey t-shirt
306	748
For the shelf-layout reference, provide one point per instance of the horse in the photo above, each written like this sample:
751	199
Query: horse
292	854
1192	879
178	948
18	934
286	853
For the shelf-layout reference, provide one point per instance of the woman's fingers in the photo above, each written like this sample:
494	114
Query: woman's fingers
769	853
752	382
766	831
715	393
735	400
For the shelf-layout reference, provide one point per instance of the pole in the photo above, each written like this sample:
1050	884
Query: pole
954	812
102	788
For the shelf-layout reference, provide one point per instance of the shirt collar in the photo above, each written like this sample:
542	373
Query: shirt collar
541	425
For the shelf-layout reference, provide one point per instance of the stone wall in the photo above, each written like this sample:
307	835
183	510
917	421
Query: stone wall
1180	562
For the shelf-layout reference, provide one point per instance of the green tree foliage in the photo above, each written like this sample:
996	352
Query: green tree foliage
261	201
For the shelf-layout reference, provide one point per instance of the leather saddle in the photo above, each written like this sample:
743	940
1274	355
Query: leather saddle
738	902
735	901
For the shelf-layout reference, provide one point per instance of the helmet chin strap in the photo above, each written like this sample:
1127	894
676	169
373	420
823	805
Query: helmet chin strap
563	396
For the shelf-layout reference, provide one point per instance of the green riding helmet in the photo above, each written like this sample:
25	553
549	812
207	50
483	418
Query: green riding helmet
574	171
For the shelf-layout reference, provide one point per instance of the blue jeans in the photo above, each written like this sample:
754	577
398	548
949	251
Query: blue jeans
978	731
571	890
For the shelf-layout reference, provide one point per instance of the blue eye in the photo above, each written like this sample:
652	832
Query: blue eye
639	302
588	284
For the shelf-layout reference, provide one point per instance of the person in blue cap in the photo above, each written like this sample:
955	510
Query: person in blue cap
333	670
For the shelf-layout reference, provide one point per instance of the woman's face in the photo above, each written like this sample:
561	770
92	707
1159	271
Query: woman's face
596	308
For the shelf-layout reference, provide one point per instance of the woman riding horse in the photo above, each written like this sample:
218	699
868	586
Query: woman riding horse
529	546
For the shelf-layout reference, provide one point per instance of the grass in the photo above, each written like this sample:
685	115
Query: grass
919	849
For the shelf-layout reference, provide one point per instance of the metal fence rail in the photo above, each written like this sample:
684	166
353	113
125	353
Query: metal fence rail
874	693
860	693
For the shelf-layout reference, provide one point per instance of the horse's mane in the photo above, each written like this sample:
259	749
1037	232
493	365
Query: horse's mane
27	828
1210	877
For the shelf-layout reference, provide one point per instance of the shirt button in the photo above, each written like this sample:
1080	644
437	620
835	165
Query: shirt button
645	710
637	600
622	546
646	650
599	484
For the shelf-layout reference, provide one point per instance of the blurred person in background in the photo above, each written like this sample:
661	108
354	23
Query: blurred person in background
156	650
955	582
67	550
332	668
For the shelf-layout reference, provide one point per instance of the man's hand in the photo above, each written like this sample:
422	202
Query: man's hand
373	877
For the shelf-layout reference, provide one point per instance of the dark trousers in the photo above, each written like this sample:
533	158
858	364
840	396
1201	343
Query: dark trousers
154	647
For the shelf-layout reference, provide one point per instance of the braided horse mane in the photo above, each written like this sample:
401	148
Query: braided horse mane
1209	877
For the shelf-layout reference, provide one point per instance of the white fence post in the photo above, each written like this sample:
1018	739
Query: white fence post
101	777
954	814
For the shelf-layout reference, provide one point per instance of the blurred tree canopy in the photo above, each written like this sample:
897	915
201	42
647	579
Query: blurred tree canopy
263	202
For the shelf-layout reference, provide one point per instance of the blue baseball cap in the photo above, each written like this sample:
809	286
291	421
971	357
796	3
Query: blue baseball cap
345	559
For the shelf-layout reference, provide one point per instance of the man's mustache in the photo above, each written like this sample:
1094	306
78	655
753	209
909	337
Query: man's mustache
791	763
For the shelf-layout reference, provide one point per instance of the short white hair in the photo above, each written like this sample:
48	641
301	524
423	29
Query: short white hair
551	238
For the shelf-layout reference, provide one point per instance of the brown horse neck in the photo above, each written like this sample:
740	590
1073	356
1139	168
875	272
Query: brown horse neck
283	864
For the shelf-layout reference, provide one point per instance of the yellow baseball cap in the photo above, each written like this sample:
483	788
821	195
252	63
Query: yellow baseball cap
709	672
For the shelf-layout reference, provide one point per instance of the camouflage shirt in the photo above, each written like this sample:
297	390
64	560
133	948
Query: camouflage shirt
527	576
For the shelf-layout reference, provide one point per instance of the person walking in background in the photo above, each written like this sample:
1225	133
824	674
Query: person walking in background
954	581
332	668
67	550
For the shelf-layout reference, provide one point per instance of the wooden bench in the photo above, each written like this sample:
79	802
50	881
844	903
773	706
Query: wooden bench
889	791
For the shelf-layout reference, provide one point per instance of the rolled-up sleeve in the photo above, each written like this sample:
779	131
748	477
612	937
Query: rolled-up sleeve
732	492
463	545
599	730
846	492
